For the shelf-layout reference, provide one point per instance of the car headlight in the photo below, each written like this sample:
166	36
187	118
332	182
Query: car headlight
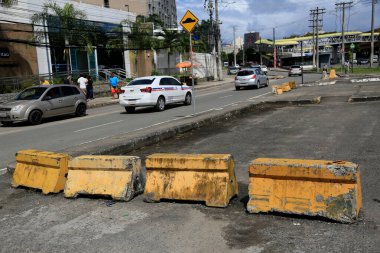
17	108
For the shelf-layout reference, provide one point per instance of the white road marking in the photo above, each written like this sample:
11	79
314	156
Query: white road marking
106	124
3	171
260	95
227	96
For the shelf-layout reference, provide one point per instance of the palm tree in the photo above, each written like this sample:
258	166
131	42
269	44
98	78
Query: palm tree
69	26
172	41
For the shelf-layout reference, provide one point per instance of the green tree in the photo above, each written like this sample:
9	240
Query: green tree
8	3
69	25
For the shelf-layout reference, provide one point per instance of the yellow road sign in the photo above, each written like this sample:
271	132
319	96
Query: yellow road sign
189	21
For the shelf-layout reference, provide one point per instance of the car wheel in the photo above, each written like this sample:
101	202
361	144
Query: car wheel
35	117
81	110
258	85
160	105
6	123
237	88
130	109
188	99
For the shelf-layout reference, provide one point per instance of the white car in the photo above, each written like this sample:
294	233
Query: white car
264	69
157	91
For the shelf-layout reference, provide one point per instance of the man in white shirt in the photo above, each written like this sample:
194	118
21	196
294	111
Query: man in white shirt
82	81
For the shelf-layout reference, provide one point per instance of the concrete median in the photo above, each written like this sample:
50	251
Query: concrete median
329	189
117	176
41	170
191	177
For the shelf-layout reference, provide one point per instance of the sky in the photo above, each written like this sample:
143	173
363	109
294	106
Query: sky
289	17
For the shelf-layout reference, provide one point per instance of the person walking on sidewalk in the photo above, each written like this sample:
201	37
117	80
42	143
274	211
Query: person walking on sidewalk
113	82
82	84
324	71
90	88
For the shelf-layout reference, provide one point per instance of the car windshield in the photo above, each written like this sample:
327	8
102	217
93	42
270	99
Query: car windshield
245	73
141	82
295	67
31	93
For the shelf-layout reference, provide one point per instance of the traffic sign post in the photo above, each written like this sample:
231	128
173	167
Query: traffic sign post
188	22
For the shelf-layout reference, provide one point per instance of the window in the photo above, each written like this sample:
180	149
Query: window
69	91
141	82
106	3
165	81
54	93
174	82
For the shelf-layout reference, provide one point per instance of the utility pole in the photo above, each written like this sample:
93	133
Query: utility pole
261	55
274	49
372	34
343	6
234	27
243	47
218	43
317	24
312	14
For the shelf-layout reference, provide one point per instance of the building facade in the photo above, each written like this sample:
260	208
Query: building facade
21	57
250	39
165	9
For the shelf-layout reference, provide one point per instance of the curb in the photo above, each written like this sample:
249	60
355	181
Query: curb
353	99
365	80
117	145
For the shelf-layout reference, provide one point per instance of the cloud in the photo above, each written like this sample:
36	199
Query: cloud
288	16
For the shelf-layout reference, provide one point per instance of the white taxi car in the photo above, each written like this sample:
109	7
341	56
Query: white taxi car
157	91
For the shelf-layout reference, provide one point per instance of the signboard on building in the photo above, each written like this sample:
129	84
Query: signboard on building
4	52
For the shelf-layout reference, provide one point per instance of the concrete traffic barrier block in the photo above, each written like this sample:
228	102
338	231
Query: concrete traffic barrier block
329	189
332	74
195	177
292	85
41	170
285	87
117	176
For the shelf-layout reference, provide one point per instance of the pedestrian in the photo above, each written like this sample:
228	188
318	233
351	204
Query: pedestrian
82	81
45	82
113	82
68	80
324	71
90	88
346	67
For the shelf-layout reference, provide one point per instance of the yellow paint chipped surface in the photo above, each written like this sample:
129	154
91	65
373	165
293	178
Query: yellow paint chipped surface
312	187
41	170
204	177
116	176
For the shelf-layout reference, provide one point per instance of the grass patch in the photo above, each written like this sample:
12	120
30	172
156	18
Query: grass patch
358	70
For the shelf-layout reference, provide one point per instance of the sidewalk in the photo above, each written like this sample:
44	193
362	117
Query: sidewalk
103	101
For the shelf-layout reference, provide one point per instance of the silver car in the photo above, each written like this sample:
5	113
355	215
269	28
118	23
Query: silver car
44	101
295	70
252	77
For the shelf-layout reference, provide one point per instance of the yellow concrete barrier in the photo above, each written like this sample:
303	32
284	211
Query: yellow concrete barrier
310	187
292	85
332	74
41	170
117	176
276	89
285	87
195	177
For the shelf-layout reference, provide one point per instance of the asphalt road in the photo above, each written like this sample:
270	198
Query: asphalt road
333	130
63	132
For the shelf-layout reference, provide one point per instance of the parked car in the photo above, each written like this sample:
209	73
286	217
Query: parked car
157	91
252	77
264	69
232	70
362	61
43	101
295	70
